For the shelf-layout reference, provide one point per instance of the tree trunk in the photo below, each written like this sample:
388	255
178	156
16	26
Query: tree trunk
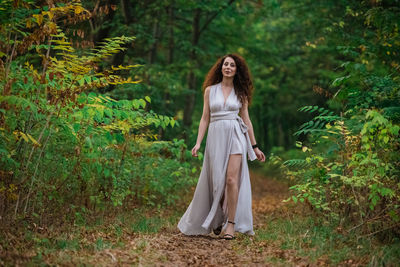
171	43
156	33
170	60
103	32
268	136
171	47
126	11
118	58
191	97
281	141
192	83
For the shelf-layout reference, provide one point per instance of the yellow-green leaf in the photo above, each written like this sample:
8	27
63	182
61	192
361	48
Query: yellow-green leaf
32	139
78	9
39	18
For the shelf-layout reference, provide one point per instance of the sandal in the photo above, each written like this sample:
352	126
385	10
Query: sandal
217	231
228	236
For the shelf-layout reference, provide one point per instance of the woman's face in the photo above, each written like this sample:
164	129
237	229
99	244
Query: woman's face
228	67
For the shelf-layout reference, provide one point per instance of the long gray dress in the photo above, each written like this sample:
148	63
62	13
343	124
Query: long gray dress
227	134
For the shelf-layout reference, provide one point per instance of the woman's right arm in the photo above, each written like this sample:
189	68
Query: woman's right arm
205	119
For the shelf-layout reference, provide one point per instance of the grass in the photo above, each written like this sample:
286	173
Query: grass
147	224
80	242
281	239
288	236
318	240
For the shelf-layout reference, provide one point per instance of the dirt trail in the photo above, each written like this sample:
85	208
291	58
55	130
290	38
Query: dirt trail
171	248
176	249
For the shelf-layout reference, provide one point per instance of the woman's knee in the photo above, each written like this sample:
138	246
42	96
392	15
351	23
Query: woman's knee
232	172
231	179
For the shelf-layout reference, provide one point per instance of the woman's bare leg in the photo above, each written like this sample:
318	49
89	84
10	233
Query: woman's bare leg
232	181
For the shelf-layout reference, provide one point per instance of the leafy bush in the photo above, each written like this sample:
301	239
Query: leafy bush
65	150
351	170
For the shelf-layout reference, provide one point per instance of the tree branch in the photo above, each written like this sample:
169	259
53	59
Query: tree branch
212	17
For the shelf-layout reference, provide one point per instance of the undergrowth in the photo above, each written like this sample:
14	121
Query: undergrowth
320	241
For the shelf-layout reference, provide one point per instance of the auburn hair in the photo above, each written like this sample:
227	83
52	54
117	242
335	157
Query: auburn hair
242	82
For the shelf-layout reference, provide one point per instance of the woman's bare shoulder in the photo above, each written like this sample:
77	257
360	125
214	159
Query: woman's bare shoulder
207	90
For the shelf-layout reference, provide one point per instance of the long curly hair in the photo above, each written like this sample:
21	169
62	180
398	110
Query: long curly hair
242	82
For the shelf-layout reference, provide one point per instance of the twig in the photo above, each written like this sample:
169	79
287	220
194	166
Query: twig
10	59
34	147
381	230
36	169
46	63
16	206
375	218
112	256
359	206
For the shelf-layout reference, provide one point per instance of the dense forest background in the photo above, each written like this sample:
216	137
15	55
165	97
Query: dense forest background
100	103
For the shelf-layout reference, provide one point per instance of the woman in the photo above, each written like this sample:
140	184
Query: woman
222	199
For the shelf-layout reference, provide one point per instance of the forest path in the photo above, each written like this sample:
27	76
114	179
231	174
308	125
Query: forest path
102	246
171	248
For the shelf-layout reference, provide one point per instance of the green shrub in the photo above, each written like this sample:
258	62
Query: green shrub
350	172
65	150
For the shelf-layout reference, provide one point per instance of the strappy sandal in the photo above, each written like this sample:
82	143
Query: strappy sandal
228	236
217	231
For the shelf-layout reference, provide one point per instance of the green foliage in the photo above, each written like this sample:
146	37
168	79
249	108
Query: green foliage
320	241
65	150
352	171
319	122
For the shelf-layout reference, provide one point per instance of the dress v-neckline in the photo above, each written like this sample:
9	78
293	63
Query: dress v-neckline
222	92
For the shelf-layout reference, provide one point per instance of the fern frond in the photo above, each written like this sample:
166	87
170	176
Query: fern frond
311	109
109	47
306	131
328	118
298	163
318	123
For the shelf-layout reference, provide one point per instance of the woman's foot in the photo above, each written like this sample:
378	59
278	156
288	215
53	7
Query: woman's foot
228	237
229	231
217	231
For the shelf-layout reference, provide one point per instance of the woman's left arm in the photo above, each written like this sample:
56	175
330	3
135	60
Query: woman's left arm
244	113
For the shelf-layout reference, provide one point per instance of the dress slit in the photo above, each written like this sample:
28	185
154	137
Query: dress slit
225	201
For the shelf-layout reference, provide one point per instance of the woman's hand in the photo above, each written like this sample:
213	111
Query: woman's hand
195	149
260	155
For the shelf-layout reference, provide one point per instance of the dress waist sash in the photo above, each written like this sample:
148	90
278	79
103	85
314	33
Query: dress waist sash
243	128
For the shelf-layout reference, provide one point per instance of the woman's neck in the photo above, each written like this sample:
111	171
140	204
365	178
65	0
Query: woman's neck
227	82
